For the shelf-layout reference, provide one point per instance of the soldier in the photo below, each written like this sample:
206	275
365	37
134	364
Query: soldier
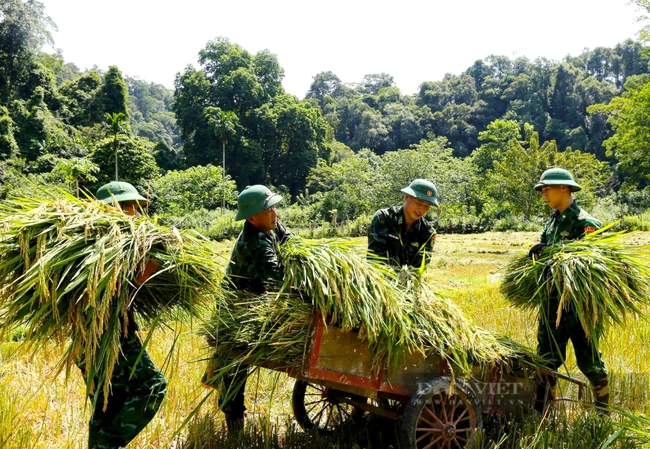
134	398
254	267
401	235
568	222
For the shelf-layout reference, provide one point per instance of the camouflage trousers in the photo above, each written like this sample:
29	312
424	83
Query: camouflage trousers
133	400
552	343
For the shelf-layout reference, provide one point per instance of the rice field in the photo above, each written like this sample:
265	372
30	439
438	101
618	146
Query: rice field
38	410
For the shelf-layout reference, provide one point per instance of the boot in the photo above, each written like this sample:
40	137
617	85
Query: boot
600	389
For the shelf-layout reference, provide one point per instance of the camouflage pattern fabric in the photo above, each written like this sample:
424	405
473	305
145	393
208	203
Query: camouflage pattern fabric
253	266
552	341
571	224
254	263
389	241
133	399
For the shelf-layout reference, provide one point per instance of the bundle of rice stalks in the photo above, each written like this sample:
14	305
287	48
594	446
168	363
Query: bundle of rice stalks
599	278
68	268
268	328
351	293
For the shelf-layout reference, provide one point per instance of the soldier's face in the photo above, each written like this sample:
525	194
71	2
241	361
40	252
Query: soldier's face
265	221
130	208
555	196
414	209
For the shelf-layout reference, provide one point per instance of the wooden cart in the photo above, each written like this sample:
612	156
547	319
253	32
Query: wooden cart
337	382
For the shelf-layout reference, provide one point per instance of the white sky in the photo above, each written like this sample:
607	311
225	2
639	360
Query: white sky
412	40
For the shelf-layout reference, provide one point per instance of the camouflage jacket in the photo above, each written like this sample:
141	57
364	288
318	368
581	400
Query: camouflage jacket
388	239
571	224
254	263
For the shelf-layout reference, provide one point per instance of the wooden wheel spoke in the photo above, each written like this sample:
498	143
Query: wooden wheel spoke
435	417
432	443
329	416
460	418
318	415
443	405
453	401
432	412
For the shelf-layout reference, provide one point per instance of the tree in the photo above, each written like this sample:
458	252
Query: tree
224	124
136	163
114	95
629	116
324	84
75	169
8	145
497	135
116	126
511	183
185	191
24	28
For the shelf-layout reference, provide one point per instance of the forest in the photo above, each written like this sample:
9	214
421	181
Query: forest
483	136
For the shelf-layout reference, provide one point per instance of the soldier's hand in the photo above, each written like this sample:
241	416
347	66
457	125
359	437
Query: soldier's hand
536	250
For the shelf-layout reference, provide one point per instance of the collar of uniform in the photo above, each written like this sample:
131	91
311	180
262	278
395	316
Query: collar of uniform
570	212
400	216
401	220
251	232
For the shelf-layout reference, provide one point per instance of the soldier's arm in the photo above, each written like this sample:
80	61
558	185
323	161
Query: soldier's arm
378	237
267	269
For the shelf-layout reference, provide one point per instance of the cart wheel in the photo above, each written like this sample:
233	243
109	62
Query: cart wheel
315	407
437	418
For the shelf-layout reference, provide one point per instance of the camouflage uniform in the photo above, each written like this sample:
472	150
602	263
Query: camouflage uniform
253	266
389	240
552	341
133	399
254	263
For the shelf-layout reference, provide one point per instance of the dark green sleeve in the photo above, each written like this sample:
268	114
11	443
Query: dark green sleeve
378	235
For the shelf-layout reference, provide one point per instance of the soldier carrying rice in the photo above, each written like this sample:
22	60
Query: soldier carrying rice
254	267
568	222
135	394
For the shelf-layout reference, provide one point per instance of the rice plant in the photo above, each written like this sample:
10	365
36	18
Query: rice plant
600	278
69	268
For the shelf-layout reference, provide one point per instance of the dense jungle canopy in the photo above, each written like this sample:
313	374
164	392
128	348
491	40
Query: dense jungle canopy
484	135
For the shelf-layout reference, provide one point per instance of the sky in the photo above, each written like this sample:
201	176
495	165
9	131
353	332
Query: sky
412	40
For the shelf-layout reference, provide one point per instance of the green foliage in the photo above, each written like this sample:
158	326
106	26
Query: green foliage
151	115
278	138
136	164
24	27
8	145
630	119
185	191
113	95
76	170
510	184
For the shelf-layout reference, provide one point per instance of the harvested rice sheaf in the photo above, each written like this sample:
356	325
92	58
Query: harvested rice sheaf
68	268
600	278
349	292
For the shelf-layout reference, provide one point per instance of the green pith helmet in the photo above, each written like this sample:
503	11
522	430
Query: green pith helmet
423	190
255	199
121	191
557	177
